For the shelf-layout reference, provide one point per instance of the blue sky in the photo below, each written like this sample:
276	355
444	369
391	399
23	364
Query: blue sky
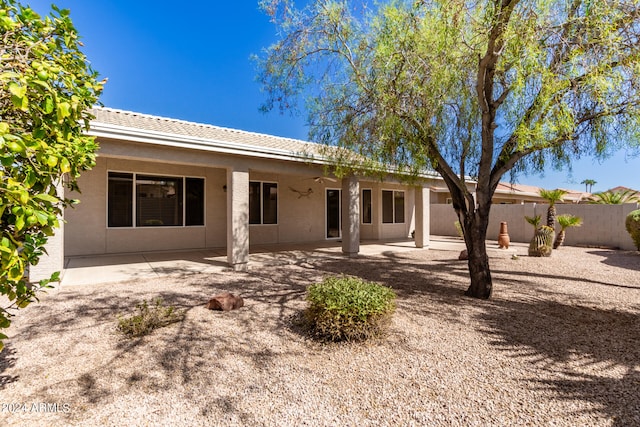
190	61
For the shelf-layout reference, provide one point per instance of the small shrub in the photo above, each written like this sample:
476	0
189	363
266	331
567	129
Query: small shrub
347	308
632	225
149	318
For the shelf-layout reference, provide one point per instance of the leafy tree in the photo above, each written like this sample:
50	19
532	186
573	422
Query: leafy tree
588	184
614	197
480	89
565	221
46	88
553	197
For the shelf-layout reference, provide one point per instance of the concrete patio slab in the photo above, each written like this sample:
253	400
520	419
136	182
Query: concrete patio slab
125	267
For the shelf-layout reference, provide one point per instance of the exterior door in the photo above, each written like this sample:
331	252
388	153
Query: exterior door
333	214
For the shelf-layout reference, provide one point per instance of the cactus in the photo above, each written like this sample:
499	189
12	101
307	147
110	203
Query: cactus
542	243
632	224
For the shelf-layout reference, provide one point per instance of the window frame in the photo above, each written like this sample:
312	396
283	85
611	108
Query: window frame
134	199
362	217
261	198
393	206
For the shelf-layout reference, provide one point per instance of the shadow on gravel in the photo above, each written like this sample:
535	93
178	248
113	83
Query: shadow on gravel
7	360
194	356
511	275
623	259
537	328
194	352
556	335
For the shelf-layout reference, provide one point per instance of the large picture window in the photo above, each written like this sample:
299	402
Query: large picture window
392	207
154	200
263	202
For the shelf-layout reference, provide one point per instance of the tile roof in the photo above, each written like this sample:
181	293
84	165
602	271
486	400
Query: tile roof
532	191
621	188
138	121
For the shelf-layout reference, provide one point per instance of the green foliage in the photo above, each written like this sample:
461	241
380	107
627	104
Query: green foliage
568	220
464	88
632	224
542	243
46	88
565	221
588	184
149	318
348	309
553	197
535	221
615	197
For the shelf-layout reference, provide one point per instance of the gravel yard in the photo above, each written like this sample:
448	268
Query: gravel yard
558	344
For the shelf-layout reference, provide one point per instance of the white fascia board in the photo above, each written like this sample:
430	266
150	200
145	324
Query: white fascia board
104	130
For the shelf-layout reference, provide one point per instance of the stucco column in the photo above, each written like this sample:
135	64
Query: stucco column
53	259
350	216
238	219
423	205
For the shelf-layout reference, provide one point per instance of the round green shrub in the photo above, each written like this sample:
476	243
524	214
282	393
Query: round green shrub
632	224
347	308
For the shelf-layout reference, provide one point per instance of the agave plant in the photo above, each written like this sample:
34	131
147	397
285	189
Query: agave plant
552	196
615	197
565	221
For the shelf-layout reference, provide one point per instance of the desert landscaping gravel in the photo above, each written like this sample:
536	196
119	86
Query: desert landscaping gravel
557	345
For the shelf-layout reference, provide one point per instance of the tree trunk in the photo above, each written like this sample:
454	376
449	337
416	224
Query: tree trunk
479	272
551	216
559	239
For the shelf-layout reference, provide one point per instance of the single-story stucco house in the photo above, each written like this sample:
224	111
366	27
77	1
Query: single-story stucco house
163	184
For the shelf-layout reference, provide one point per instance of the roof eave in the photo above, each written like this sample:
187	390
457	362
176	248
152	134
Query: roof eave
106	130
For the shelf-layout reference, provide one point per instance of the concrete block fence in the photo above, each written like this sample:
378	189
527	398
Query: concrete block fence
603	225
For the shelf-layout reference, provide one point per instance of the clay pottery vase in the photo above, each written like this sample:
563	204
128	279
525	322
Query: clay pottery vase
503	237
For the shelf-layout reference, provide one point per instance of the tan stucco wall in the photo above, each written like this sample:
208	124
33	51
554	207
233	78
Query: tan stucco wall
87	231
301	202
603	225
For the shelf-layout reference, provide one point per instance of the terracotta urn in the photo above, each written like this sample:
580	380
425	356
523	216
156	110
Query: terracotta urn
503	237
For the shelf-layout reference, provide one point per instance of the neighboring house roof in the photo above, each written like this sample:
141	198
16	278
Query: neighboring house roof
517	190
113	123
529	191
620	189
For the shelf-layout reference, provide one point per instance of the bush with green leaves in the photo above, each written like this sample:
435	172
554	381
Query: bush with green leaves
148	318
632	224
347	308
46	89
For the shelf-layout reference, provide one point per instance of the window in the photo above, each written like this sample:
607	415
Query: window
194	199
120	200
392	207
158	201
263	202
366	206
154	201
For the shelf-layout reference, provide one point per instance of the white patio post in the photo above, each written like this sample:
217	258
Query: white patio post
350	216
238	219
423	203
